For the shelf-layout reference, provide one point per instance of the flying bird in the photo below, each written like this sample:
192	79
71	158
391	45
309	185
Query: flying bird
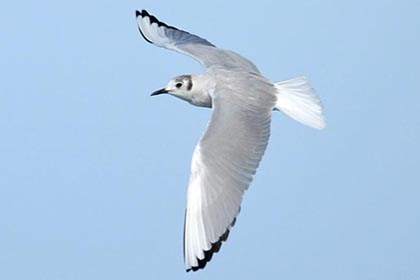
228	154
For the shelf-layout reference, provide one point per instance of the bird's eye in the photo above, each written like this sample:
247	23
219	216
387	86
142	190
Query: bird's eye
178	85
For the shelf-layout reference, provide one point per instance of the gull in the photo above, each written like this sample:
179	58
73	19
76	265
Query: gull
228	154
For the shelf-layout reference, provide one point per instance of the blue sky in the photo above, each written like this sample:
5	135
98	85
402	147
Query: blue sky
93	172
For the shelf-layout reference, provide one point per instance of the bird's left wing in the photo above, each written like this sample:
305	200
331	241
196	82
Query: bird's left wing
172	38
223	165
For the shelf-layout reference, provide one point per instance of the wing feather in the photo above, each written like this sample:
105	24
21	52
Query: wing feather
172	38
222	168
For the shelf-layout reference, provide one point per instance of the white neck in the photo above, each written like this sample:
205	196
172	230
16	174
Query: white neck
199	93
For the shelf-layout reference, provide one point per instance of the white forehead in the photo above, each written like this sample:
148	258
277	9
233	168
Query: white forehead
184	79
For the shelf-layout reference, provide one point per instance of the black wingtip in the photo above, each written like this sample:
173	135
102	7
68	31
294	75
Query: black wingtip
142	14
153	19
215	247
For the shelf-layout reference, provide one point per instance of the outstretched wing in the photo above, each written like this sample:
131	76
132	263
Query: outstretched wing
172	38
223	166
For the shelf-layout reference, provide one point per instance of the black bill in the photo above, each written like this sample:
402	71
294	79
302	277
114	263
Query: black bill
160	91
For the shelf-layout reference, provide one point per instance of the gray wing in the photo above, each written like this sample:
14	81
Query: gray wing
169	37
223	166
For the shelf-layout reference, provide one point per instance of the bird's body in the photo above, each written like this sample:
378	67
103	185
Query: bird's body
229	152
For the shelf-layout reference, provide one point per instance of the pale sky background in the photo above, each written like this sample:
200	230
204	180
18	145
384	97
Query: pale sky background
93	171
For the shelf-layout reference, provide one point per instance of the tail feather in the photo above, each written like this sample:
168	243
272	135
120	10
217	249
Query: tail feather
297	99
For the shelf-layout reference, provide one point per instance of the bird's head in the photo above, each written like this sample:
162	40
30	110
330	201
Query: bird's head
179	86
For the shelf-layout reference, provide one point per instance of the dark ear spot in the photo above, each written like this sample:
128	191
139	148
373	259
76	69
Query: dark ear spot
189	84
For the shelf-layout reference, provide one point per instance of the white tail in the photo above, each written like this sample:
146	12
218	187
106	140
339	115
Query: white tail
297	99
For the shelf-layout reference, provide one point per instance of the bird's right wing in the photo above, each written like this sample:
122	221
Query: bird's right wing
223	166
172	38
